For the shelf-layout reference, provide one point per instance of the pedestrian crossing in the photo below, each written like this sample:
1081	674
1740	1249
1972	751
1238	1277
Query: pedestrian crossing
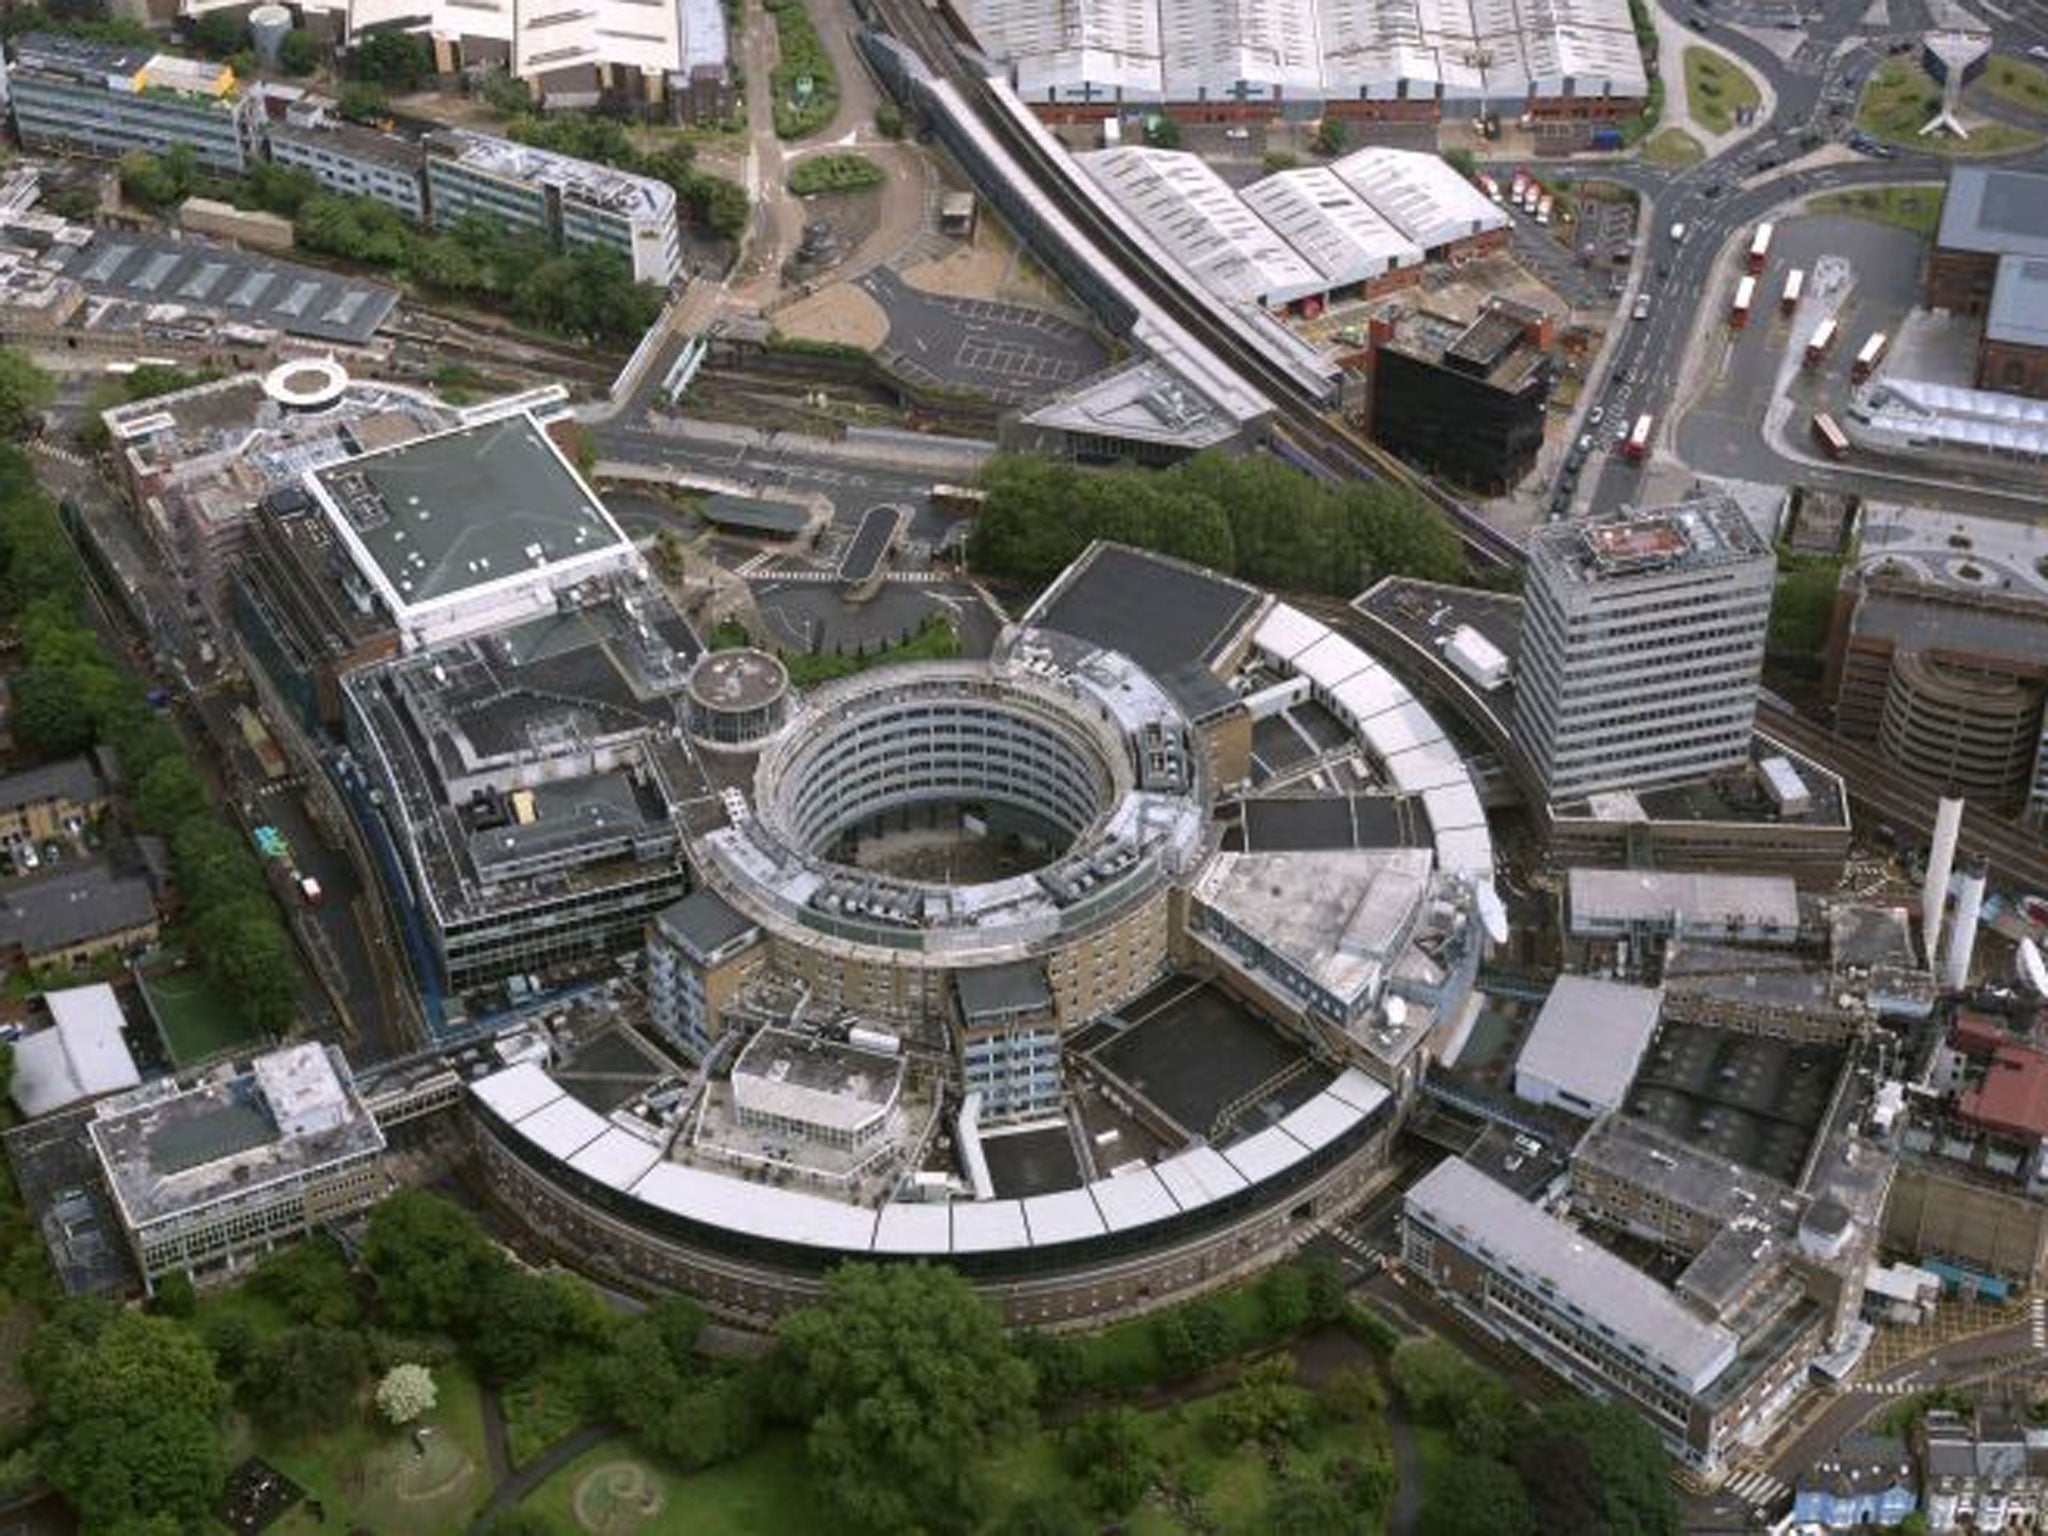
1757	1487
2037	1323
1370	1256
754	571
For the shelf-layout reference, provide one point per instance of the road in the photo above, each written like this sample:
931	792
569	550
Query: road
1727	195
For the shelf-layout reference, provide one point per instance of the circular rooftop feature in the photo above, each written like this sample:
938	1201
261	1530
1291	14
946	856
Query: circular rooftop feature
976	757
738	698
306	383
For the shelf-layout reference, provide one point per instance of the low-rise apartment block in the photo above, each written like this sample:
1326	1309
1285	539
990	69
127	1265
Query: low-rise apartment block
101	99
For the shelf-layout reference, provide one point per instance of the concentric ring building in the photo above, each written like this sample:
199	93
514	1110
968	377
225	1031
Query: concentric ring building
1014	963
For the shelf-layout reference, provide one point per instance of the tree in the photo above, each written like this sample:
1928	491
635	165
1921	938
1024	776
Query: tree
1597	1467
1265	1407
906	1381
1046	1512
219	33
299	52
888	119
398	61
1283	1292
24	391
1162	133
232	1338
1110	1456
311	1281
50	718
406	1393
1331	136
362	101
1461	161
175	1296
305	1381
1477	1497
1353	1396
430	1258
132	1408
158	181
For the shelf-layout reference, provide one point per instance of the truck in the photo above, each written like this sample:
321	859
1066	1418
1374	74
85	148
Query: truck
1490	187
1745	296
1543	206
1760	247
1638	443
1818	344
262	745
1518	187
1795	285
1868	357
1607	138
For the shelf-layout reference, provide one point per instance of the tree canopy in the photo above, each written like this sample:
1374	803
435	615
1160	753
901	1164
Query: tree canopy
432	1261
905	1379
1249	516
24	390
132	1408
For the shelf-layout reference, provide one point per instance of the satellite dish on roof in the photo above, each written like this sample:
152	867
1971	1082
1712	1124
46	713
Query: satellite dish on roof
2032	967
1493	916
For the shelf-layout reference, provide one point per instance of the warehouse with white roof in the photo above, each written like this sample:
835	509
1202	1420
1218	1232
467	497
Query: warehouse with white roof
1204	225
1208	61
1586	1044
1342	235
1421	196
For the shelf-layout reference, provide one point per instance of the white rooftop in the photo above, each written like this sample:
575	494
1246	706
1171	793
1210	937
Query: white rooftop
1603	896
1419	194
1574	1271
80	1056
1589	1038
1203	224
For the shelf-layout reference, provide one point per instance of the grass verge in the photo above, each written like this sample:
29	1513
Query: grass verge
1899	99
1717	88
1915	208
1672	149
2016	83
197	1019
839	171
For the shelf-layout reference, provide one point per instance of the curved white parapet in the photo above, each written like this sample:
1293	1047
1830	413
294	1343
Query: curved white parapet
306	383
537	1110
1402	736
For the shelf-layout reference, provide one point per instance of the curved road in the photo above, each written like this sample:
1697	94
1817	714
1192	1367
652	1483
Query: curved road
1815	94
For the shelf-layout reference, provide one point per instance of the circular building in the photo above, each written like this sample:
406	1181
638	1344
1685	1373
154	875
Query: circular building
922	820
738	698
306	383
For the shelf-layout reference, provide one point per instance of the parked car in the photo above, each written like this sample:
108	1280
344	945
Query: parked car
1593	419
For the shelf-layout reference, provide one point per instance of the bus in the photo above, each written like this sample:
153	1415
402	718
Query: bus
1795	285
1638	442
1745	296
1829	436
1818	344
1760	247
1869	357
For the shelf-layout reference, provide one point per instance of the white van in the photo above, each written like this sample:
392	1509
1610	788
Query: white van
1678	234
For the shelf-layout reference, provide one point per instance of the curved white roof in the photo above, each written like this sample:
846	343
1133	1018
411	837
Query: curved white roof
1203	224
1419	195
1342	235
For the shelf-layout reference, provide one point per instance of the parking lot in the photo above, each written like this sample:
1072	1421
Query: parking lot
1005	351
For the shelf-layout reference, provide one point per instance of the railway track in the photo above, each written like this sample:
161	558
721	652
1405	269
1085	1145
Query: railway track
1306	435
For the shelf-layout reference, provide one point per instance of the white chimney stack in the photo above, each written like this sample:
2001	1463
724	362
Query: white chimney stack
1941	858
1962	935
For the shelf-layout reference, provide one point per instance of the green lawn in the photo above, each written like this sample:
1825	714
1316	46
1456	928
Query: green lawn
2016	82
1672	149
765	1493
198	1020
1899	100
369	1477
1715	87
1914	208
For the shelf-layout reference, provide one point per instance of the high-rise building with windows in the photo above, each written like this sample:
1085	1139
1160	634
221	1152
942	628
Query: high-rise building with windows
1642	645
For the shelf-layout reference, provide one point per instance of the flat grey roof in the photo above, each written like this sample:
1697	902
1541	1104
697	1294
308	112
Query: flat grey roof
237	285
1590	1037
467	507
1642	895
1160	612
1610	1295
703	922
1997	212
1937	616
1018	987
755	514
2019	300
